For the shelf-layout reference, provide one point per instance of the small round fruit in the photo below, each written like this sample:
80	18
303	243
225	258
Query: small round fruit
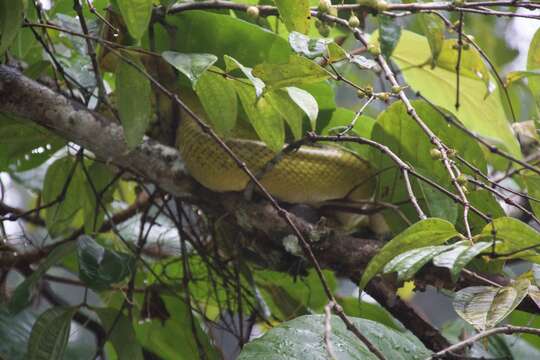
396	89
462	180
383	96
354	22
253	12
374	50
435	154
324	5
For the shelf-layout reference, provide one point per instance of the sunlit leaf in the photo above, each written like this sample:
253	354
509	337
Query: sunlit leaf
533	63
295	14
423	233
485	306
517	75
306	102
336	53
233	64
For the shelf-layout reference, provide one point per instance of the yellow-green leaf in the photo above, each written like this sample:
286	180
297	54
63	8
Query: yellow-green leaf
295	14
136	14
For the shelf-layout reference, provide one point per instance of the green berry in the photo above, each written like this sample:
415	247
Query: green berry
396	89
383	96
462	180
354	22
374	50
324	6
361	94
435	154
253	12
368	90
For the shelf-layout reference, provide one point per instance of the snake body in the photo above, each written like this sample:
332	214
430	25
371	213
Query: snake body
311	174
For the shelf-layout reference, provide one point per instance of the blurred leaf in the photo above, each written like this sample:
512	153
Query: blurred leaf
173	338
298	71
458	257
307	46
434	29
486	117
305	335
22	295
352	306
99	177
134	96
517	75
295	14
532	180
191	65
306	102
514	236
99	267
423	233
218	98
50	334
336	53
363	63
533	63
62	187
136	14
121	334
389	34
408	263
11	19
233	64
15	332
25	145
266	121
485	306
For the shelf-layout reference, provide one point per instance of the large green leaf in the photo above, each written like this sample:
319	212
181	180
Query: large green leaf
303	338
97	181
533	63
485	116
22	295
514	235
298	71
134	96
50	334
218	98
122	335
264	118
423	233
191	65
295	14
62	187
486	306
136	14
100	267
458	257
206	32
11	18
289	111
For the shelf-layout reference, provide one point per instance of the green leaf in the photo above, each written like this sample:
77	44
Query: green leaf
134	96
295	14
307	46
15	332
298	71
50	334
517	75
457	258
11	19
306	102
99	180
206	32
305	335
408	263
25	145
423	233
389	34
289	111
486	117
218	98
532	180
364	63
99	267
439	204
191	65
485	306
514	236
121	334
266	121
336	53
62	186
533	63
22	295
434	29
164	337
136	14
233	64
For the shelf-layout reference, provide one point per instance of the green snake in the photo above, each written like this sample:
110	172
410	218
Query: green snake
311	174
